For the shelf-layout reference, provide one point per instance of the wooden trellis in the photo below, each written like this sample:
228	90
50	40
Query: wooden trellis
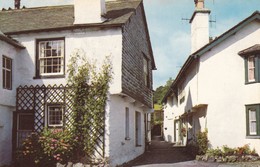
34	99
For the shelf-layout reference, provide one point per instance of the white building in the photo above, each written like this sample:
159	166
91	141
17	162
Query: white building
116	28
218	86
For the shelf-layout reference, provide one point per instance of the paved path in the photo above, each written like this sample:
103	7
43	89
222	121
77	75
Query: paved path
163	154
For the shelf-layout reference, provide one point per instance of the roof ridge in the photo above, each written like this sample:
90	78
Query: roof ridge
35	8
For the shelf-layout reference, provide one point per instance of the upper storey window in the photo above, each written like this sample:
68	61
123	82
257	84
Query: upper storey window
146	72
252	63
50	57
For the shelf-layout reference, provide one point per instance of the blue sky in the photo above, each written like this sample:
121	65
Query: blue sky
170	36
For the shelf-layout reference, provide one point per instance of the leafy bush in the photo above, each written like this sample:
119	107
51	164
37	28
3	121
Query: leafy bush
202	142
47	148
30	152
227	151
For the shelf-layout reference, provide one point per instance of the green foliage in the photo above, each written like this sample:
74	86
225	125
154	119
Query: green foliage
227	151
161	91
89	93
47	148
30	152
90	87
215	152
57	144
202	142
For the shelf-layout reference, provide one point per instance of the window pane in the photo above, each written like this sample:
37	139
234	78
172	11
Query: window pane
49	63
252	122
251	68
55	116
8	79
4	79
4	62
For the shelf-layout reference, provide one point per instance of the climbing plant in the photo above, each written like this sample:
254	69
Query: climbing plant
89	95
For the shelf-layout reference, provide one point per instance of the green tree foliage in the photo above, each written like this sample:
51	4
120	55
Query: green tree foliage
161	91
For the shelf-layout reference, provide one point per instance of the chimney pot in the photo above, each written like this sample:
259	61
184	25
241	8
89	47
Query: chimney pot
17	4
199	4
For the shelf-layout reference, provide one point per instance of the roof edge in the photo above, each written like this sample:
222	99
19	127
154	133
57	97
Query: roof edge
11	41
207	47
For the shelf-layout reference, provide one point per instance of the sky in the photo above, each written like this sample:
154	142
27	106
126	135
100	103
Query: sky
169	33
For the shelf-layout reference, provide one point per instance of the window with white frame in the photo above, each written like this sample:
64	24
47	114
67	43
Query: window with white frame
253	120
251	68
55	115
127	123
50	57
7	72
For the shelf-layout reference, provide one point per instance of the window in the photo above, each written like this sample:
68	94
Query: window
252	68
127	137
50	57
253	120
7	73
146	72
55	115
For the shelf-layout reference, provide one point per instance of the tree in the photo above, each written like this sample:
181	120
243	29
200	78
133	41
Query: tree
161	91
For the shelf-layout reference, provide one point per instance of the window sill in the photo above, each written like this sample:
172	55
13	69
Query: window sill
49	76
138	146
127	138
252	137
253	82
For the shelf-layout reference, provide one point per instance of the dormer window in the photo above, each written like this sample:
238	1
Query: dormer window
252	63
50	57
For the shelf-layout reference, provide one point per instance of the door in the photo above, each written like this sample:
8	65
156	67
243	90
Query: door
138	128
24	126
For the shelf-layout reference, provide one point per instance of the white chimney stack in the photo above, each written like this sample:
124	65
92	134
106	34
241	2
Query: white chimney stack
89	11
199	26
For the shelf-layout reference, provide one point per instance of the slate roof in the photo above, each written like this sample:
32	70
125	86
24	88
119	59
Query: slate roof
10	41
61	17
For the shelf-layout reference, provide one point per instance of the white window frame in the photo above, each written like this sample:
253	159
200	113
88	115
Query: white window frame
49	114
43	58
251	61
5	70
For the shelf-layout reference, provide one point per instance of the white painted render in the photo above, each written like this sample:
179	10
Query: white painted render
7	105
96	44
199	30
119	149
217	79
89	11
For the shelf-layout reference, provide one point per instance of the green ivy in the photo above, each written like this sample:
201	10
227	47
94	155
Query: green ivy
90	91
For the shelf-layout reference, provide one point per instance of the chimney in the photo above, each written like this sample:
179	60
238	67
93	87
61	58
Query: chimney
199	26
17	4
89	11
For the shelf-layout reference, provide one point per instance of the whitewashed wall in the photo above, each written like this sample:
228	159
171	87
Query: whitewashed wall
219	81
222	86
96	43
7	103
118	149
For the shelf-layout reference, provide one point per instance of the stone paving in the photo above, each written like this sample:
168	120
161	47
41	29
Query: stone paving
163	154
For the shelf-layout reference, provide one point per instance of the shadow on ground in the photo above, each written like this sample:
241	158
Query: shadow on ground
161	152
